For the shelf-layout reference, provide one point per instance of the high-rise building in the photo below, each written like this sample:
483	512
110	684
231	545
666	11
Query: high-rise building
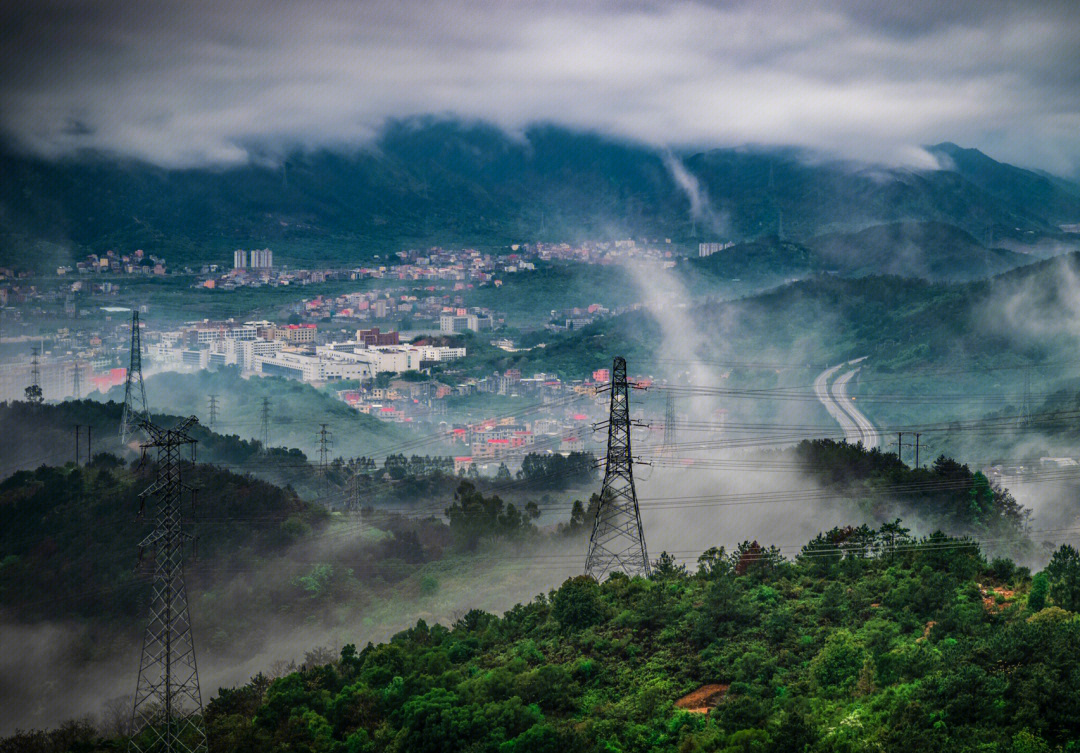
239	258
261	258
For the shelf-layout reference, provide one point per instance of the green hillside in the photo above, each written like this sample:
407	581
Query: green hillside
932	250
430	181
868	640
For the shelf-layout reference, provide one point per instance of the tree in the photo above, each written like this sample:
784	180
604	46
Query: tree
503	474
33	394
837	665
576	604
1040	587
1063	574
980	498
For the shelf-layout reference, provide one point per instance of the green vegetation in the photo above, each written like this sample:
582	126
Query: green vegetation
442	182
893	644
68	532
297	410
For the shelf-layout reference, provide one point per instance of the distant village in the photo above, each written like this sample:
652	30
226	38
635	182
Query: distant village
330	340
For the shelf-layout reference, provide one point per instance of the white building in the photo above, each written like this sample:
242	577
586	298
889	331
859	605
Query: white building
291	366
440	353
450	324
208	332
262	258
239	258
252	349
388	358
317	368
708	249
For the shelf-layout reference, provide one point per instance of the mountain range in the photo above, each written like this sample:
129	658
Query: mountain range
436	181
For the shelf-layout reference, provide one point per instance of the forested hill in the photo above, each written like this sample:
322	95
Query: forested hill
438	181
898	323
891	645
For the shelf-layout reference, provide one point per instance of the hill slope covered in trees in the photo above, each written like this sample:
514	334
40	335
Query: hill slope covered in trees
880	643
439	181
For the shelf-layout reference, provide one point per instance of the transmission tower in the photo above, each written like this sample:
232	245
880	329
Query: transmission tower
669	425
264	433
35	367
618	540
213	406
76	382
136	411
167	715
325	440
33	393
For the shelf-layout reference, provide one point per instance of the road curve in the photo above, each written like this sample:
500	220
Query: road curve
856	427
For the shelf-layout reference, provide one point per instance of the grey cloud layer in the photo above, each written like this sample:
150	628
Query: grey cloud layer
191	82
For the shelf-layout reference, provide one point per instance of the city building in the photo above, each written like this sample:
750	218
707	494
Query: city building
373	336
708	249
261	258
460	321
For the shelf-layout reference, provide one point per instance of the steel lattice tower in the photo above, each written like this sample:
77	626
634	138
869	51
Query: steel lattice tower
35	367
212	404
264	433
34	393
168	704
136	410
325	440
618	540
76	382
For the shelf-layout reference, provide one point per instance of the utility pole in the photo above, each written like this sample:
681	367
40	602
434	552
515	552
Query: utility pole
917	435
264	434
212	401
900	445
78	428
89	456
136	411
167	715
618	540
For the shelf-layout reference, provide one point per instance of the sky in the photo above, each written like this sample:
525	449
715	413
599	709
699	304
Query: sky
196	82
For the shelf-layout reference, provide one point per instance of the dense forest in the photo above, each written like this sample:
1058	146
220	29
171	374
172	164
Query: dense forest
869	638
890	643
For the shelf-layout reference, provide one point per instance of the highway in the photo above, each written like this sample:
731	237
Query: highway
857	427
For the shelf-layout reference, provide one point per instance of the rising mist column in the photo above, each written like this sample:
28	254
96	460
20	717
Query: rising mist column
618	540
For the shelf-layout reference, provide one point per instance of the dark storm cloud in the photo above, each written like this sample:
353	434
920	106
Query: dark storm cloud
189	82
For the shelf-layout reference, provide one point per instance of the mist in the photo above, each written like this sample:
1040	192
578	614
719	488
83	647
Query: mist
197	83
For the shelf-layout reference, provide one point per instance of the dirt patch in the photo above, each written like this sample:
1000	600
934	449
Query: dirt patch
926	632
703	700
990	594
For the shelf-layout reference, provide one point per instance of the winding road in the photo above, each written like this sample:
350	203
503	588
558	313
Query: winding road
857	427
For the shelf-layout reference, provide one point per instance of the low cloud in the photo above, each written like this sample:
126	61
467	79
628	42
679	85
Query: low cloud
189	82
